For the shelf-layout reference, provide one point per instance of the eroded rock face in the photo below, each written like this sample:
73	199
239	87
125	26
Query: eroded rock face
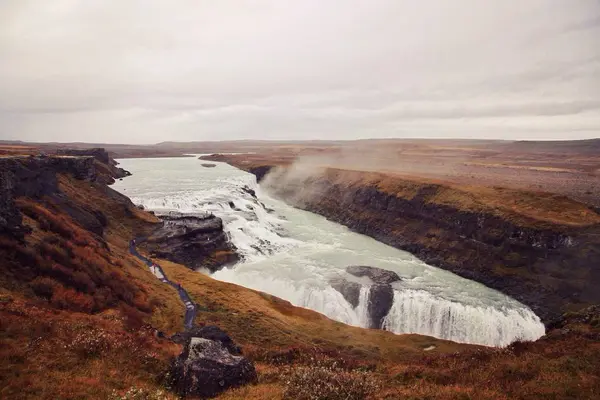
350	290
192	240
381	293
377	275
36	177
206	368
381	298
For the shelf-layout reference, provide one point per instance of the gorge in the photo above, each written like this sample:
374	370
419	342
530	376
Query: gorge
297	255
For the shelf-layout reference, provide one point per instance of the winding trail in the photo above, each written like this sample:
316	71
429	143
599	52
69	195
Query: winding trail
190	306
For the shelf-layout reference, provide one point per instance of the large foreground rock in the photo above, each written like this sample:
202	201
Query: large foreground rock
206	368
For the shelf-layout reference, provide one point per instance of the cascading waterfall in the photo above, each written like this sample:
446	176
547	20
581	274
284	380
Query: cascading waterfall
420	312
362	307
294	255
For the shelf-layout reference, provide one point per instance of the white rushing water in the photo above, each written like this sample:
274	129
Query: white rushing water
293	254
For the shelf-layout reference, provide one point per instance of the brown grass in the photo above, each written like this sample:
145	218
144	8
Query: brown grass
519	206
264	324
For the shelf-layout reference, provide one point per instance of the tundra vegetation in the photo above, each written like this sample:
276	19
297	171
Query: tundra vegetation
82	318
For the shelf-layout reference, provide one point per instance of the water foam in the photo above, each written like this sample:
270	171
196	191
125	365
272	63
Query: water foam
419	312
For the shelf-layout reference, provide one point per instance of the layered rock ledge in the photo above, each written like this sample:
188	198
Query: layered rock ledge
196	241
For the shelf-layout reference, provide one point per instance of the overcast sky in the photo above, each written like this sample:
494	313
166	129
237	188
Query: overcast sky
145	71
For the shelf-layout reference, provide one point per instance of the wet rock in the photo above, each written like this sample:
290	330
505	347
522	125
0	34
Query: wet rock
251	192
377	275
208	165
206	368
196	241
350	290
381	298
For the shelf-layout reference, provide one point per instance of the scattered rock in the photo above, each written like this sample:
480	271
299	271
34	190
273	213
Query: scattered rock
206	368
377	275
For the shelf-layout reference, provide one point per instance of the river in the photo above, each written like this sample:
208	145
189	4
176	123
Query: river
293	254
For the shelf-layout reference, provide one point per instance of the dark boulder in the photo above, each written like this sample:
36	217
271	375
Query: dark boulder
377	275
350	290
251	192
207	165
381	298
210	332
206	368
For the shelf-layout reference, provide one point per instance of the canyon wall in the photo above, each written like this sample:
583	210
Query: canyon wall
548	262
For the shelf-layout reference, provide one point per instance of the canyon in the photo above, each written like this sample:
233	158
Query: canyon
74	300
540	248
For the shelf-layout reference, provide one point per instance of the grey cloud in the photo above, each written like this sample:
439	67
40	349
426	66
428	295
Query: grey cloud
140	72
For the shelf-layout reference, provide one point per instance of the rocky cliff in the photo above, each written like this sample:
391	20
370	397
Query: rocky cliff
541	249
35	177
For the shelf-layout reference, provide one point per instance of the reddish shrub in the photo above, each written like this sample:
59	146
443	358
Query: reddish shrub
69	299
44	287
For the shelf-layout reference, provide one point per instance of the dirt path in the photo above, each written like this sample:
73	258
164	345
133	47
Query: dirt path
190	306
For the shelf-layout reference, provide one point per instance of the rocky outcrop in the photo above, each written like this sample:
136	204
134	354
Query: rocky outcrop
381	293
377	275
381	298
35	177
98	153
102	156
196	241
208	367
349	289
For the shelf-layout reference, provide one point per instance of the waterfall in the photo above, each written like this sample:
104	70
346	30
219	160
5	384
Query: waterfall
294	254
419	312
